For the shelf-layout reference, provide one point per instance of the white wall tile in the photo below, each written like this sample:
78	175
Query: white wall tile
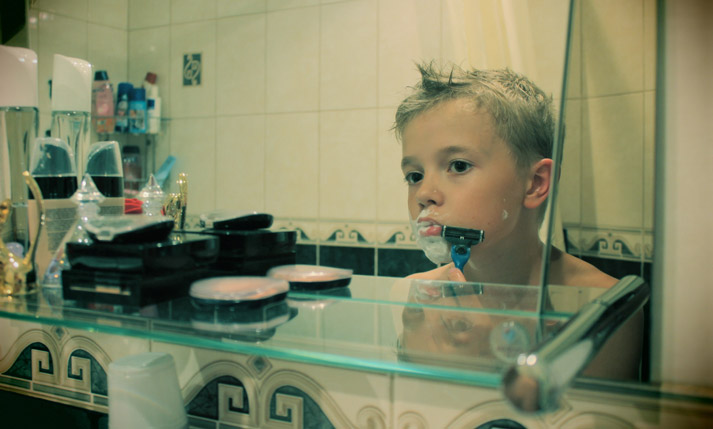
113	13
650	54
548	39
293	60
149	50
289	4
183	11
149	13
108	51
348	55
612	46
193	145
391	190
240	65
292	165
192	101
232	7
409	32
57	35
240	162
612	161
347	164
76	9
569	193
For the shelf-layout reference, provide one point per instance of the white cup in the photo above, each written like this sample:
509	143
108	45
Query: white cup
144	393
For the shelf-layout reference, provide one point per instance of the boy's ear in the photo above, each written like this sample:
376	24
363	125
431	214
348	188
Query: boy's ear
538	183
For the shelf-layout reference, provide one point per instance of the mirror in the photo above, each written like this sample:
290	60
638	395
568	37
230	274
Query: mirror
295	101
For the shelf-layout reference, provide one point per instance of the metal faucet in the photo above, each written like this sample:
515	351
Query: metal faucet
536	382
176	203
17	276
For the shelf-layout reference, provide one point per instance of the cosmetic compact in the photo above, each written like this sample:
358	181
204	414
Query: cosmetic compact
312	277
247	247
133	272
241	307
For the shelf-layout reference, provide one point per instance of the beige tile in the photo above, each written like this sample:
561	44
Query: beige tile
348	55
574	55
612	161
570	193
57	35
183	11
347	164
391	190
108	51
289	4
193	145
612	47
292	165
76	9
433	404
149	50
650	50
113	13
649	157
232	7
548	20
240	163
409	32
293	60
240	83
149	13
193	101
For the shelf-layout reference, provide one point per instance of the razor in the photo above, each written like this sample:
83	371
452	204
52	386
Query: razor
461	239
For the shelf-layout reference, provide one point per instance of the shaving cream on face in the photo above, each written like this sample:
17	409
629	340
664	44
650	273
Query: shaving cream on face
436	248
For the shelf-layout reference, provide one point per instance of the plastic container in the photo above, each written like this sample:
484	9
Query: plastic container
122	107
242	291
102	103
312	277
137	111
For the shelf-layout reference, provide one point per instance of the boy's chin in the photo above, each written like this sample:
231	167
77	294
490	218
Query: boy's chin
437	249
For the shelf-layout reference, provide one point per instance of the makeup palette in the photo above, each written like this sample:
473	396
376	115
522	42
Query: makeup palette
311	277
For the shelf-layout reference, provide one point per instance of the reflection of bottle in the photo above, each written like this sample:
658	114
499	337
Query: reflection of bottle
102	103
122	107
18	129
133	170
137	111
71	104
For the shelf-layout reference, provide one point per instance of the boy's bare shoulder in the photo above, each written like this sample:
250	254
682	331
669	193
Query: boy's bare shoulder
569	270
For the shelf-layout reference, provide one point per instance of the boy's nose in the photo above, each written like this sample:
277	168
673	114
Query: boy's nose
429	193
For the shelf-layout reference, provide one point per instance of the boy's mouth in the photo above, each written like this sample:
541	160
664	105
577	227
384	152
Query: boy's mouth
429	228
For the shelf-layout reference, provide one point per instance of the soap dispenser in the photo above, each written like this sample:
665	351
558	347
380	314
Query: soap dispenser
71	105
18	129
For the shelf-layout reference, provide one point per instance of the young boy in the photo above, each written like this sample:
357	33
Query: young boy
477	148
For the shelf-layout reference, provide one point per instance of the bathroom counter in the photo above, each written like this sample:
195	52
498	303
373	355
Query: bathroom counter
385	352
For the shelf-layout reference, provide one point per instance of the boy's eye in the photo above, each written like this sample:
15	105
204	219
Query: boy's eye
413	177
460	166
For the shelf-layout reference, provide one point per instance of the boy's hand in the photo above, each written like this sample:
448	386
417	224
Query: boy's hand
456	275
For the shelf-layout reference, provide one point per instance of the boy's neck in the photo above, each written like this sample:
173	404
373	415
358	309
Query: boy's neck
517	263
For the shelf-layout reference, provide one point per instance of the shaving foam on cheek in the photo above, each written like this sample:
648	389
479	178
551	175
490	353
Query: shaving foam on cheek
436	248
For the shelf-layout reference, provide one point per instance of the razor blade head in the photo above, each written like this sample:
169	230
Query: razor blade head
466	236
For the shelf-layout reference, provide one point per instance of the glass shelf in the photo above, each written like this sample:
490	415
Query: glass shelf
465	332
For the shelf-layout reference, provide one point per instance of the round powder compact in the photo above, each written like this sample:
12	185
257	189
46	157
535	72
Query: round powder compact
311	277
241	291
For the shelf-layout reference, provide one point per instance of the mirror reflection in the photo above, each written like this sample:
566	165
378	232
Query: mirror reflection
293	111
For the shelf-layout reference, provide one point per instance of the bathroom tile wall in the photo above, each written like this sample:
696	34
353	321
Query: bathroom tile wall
607	194
95	30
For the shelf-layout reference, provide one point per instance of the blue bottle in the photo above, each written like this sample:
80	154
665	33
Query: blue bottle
137	111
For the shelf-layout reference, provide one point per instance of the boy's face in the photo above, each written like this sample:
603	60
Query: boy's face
459	173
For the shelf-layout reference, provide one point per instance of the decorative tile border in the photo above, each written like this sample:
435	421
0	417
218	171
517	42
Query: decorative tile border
615	243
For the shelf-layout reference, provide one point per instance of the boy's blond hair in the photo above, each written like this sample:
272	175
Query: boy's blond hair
522	112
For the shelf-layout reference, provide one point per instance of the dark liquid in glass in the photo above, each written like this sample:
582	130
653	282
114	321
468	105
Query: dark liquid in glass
55	187
110	186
